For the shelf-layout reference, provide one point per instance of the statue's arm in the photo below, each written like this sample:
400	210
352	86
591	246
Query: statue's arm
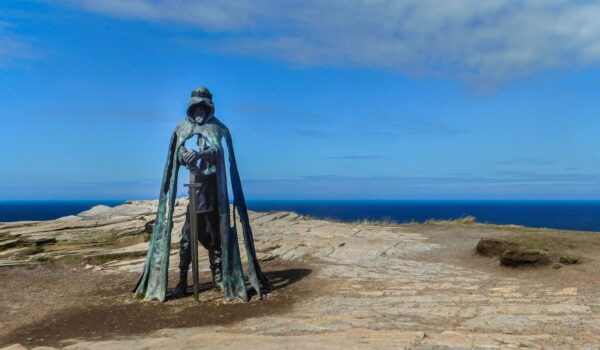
181	154
208	154
188	157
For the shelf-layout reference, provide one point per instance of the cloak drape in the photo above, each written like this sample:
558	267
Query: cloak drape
152	283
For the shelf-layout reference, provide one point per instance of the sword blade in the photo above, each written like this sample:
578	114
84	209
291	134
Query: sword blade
194	235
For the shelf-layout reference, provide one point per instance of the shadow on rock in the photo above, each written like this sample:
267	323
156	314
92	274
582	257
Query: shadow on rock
121	315
282	279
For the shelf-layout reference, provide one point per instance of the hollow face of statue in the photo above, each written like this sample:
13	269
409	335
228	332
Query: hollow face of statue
200	114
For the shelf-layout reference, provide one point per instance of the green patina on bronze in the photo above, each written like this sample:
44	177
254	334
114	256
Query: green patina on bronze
154	278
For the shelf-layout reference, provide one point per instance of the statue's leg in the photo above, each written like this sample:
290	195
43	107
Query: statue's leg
211	240
185	258
215	240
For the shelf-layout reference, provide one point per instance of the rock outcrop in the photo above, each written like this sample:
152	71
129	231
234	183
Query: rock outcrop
371	285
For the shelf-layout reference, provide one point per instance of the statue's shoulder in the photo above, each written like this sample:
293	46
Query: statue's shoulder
220	125
183	130
184	127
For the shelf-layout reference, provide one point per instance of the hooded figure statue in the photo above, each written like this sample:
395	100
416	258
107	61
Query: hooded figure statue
153	281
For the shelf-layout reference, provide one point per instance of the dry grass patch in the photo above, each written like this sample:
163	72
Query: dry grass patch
540	248
464	220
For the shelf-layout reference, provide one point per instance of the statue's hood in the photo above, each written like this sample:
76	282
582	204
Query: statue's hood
196	100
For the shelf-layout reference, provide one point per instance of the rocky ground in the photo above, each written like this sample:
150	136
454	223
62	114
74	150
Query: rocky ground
67	284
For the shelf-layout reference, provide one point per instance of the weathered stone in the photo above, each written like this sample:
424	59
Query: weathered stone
491	247
14	347
10	243
371	285
44	241
515	258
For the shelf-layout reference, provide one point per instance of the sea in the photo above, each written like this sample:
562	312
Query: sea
568	215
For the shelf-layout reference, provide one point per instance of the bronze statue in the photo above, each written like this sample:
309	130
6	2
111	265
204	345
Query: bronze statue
213	216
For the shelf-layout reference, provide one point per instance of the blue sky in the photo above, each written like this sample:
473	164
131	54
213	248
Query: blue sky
339	99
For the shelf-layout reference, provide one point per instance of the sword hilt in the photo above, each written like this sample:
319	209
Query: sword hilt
193	185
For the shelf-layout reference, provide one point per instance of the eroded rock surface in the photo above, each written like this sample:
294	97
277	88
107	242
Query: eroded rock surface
372	285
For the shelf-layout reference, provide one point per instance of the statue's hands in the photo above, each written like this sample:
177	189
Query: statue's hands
208	154
191	157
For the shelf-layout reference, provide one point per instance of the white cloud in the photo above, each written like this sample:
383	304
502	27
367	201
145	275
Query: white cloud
11	45
483	43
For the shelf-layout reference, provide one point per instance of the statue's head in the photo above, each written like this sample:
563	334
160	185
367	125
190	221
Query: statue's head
201	108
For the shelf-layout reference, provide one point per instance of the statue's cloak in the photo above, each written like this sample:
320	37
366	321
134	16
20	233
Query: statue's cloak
154	279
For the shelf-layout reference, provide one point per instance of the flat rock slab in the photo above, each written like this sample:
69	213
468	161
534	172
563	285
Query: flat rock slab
371	285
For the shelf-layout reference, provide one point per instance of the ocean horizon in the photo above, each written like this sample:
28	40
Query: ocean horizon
580	215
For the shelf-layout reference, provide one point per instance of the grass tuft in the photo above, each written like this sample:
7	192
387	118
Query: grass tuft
463	220
569	259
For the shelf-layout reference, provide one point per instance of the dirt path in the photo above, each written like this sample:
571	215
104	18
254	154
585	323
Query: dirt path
50	303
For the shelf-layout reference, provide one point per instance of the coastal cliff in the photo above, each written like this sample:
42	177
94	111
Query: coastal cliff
66	283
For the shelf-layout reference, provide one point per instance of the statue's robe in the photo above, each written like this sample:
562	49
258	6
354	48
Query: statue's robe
154	278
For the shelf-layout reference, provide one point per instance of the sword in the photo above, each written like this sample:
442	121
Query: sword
194	231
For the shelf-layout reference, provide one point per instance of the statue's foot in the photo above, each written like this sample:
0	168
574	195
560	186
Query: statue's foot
180	290
217	278
217	283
